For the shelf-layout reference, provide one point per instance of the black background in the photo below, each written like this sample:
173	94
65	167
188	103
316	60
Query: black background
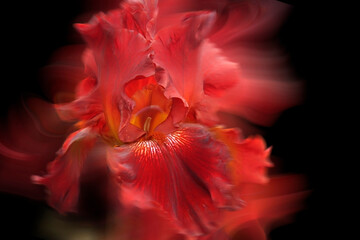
32	30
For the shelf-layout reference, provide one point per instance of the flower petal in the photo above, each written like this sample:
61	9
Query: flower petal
83	108
178	51
140	15
64	172
184	173
121	55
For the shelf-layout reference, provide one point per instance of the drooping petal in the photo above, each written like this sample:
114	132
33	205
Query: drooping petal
250	156
62	179
183	173
178	50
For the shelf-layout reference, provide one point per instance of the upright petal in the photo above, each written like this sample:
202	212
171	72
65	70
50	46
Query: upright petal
178	50
121	55
183	173
140	15
64	172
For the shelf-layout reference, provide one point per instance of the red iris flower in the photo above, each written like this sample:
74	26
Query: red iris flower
151	95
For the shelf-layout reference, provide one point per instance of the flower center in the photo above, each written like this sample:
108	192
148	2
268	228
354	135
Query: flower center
152	107
148	118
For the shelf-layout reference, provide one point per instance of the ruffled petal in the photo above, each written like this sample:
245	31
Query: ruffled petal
183	173
178	51
64	172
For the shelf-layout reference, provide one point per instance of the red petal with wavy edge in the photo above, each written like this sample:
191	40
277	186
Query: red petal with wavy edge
178	51
183	173
64	172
